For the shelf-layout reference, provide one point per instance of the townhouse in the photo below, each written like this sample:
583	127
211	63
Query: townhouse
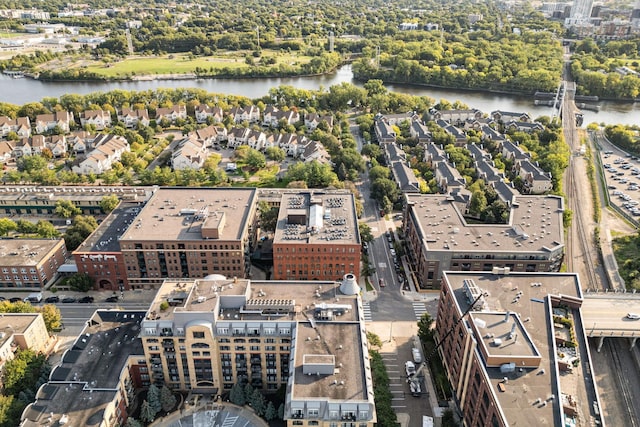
99	119
107	150
62	120
130	118
21	126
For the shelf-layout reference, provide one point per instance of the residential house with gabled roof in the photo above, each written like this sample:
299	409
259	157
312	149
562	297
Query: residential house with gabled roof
204	111
512	150
505	191
292	144
131	118
312	120
394	153
208	136
37	144
384	132
527	127
21	126
60	119
434	153
420	132
107	150
256	140
22	148
57	144
81	141
535	180
99	119
250	114
448	177
396	119
6	151
477	124
237	136
459	135
507	116
455	117
489	133
172	113
314	150
404	177
190	153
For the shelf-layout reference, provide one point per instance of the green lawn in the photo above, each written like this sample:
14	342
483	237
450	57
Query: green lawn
6	35
181	63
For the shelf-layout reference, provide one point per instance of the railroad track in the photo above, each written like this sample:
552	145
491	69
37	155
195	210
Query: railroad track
623	384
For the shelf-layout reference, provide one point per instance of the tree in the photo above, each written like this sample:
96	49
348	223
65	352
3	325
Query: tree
257	402
268	216
46	230
109	203
255	159
7	225
132	422
146	412
52	317
374	339
425	331
248	392
10	410
276	154
365	232
153	397
270	413
81	282
66	209
236	395
281	411
167	398
81	228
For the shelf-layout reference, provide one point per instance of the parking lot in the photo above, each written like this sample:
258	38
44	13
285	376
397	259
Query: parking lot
622	175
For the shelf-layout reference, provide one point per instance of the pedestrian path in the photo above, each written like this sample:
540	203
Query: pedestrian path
366	309
419	309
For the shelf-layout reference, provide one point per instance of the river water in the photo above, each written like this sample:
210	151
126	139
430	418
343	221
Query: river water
21	91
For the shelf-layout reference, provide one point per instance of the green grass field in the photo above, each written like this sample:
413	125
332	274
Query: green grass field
6	35
181	64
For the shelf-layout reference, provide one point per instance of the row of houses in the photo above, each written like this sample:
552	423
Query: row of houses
101	119
106	150
192	150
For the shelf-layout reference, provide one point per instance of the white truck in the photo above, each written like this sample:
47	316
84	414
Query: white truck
34	298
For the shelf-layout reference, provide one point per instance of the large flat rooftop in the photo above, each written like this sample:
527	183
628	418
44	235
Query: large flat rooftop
317	217
174	214
106	237
19	252
86	380
105	344
343	341
535	225
525	300
254	300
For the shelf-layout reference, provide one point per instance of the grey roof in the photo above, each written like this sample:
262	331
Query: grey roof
505	191
515	149
405	177
487	170
395	153
534	170
435	152
490	133
450	174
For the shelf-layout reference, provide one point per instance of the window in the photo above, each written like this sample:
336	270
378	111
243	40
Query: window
198	335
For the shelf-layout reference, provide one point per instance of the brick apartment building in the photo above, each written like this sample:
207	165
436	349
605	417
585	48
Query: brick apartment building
30	263
504	358
317	237
183	232
439	238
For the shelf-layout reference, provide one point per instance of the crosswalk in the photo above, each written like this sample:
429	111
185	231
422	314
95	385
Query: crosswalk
366	310
419	309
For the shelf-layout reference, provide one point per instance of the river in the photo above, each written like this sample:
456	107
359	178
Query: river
21	91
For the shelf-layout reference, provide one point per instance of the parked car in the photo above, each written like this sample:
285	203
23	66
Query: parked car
410	368
381	282
52	299
69	300
15	299
87	299
113	298
417	356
